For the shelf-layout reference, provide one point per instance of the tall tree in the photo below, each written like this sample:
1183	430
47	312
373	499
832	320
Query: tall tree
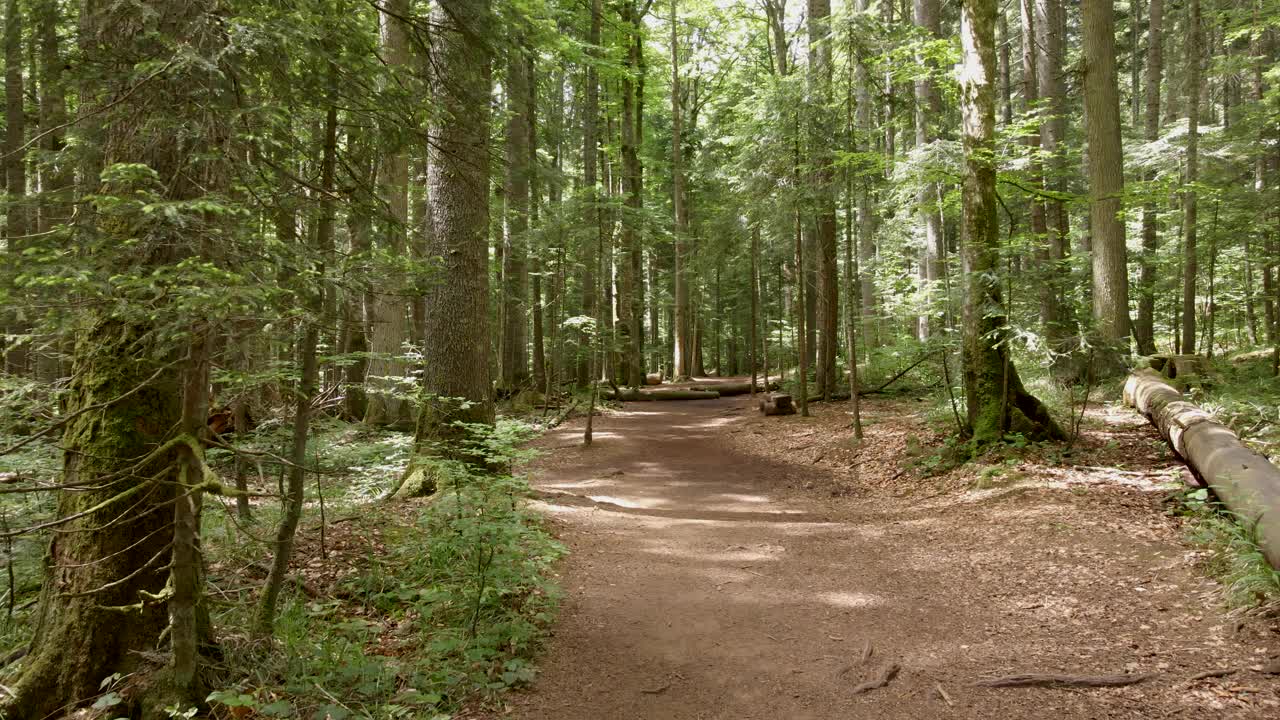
455	368
997	401
15	171
129	528
1190	198
1106	185
390	318
821	130
1144	324
928	112
1050	29
683	360
590	303
514	360
631	293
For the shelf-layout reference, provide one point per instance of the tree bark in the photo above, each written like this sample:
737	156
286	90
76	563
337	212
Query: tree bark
683	331
1106	185
1144	326
1050	25
455	375
823	179
1246	482
390	311
590	304
514	360
103	599
928	112
631	293
15	175
1190	199
997	402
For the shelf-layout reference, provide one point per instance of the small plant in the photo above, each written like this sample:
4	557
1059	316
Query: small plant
1235	557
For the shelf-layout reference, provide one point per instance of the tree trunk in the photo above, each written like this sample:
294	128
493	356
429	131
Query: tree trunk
928	113
1190	199
1246	482
589	304
264	619
1106	185
631	294
103	601
823	179
997	402
15	177
683	335
55	174
514	361
1050	26
866	210
390	312
1144	326
455	375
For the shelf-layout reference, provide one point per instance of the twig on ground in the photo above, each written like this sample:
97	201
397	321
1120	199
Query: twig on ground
1050	680
1221	672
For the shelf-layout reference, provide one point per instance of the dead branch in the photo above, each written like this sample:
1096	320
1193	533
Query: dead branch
1050	680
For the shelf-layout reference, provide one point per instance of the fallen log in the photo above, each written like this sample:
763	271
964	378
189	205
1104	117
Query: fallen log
653	379
630	395
735	388
1246	482
777	404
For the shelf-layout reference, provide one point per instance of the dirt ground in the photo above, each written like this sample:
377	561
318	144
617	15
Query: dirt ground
727	565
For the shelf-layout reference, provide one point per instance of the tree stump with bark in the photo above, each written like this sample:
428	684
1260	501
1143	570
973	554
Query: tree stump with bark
1187	370
777	404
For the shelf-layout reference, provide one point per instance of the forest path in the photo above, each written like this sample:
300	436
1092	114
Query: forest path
704	583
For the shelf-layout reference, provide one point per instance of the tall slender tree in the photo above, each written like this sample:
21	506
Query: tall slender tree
1106	185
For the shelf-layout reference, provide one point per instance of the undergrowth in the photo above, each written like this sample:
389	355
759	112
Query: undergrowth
1235	558
449	605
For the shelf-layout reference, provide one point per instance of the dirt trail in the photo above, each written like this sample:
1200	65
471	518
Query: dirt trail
710	582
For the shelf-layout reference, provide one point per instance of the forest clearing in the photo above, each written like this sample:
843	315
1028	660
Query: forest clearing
639	358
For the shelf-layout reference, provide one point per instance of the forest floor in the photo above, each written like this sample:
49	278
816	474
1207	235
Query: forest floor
728	565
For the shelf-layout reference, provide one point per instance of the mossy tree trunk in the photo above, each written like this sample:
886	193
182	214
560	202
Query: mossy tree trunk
121	531
118	556
998	403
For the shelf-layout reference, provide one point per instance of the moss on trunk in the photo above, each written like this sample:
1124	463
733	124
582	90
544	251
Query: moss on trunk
100	568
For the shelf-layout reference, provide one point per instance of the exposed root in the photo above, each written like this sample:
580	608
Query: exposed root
1048	681
886	676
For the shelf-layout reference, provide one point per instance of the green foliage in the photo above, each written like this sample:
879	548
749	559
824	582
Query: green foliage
1235	557
448	607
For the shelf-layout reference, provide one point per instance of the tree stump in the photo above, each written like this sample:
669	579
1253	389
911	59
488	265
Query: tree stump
1188	370
777	404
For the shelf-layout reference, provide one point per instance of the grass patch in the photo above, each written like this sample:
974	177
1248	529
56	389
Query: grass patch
1235	558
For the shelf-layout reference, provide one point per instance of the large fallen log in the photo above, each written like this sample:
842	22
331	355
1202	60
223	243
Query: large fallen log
1246	482
630	395
735	388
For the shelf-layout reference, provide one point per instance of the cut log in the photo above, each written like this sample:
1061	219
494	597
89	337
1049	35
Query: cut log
735	388
1246	482
653	379
777	404
629	395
